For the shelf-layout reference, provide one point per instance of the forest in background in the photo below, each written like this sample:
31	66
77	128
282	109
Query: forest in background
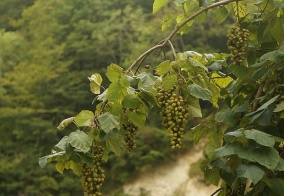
48	51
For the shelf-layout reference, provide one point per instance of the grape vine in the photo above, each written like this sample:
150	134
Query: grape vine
240	109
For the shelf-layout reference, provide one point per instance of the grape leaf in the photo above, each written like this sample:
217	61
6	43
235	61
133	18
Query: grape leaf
84	118
61	145
167	22
137	119
169	81
113	72
159	4
60	166
42	161
279	107
131	101
222	82
250	171
146	80
221	14
240	9
74	166
225	116
116	92
65	123
163	68
266	104
95	83
80	140
114	143
199	92
260	137
194	109
108	122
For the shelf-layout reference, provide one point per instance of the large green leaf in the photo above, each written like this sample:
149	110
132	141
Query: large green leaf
60	166
80	140
221	14
76	167
65	123
146	80
108	122
114	142
277	186
250	171
84	118
200	92
131	101
159	4
95	83
42	161
113	72
137	119
116	92
280	166
194	109
169	81
241	72
61	145
265	156
225	116
279	107
198	132
269	102
273	56
260	137
163	68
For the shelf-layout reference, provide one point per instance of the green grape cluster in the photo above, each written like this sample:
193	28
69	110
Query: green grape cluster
174	113
237	40
130	134
93	178
229	191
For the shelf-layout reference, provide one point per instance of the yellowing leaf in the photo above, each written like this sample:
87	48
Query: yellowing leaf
95	83
84	118
240	9
222	82
159	4
113	72
65	123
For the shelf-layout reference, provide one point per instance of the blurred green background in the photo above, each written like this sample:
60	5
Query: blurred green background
47	51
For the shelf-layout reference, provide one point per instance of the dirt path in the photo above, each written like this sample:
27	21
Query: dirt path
171	179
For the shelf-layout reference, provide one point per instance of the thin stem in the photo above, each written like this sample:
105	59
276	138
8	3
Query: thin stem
217	191
172	47
258	94
172	34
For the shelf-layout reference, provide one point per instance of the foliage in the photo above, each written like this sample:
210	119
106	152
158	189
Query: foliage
44	65
245	131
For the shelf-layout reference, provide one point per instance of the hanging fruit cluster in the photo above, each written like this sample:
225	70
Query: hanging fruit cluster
174	113
130	133
229	191
237	41
93	178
